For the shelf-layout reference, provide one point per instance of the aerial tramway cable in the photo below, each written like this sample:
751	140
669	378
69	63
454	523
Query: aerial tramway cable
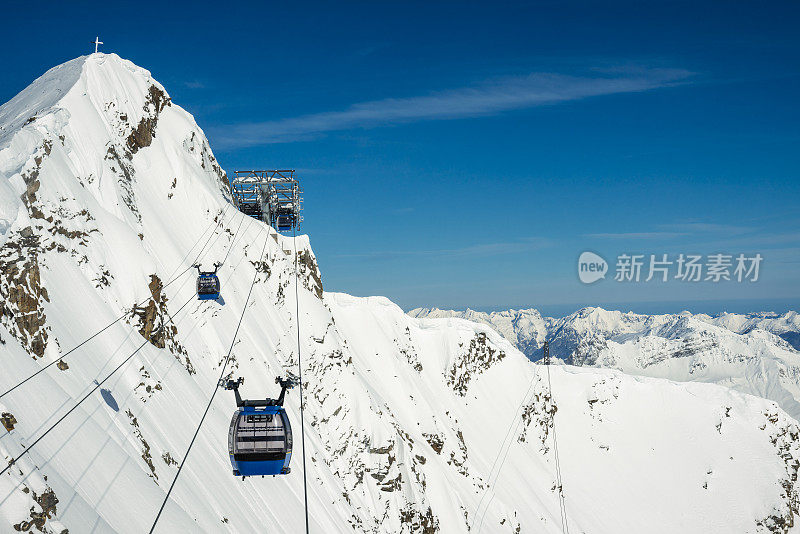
497	458
127	359
561	503
82	343
214	393
300	376
124	314
97	385
200	252
95	388
233	239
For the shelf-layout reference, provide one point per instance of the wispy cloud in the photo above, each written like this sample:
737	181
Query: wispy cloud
758	241
637	235
681	229
485	249
705	227
488	98
194	84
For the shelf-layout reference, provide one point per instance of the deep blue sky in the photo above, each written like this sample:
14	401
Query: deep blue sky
464	154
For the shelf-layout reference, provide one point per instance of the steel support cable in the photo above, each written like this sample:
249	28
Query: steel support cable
203	253
496	458
219	224
300	374
233	239
73	349
188	333
561	504
236	266
118	318
213	394
95	388
200	252
513	425
194	264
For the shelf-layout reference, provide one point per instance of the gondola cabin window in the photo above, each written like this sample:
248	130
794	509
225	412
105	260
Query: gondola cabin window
260	433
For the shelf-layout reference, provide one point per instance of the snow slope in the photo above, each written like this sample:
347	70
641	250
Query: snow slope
526	329
786	326
111	192
750	353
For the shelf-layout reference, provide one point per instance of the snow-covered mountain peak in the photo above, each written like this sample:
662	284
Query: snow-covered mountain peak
109	193
104	81
88	117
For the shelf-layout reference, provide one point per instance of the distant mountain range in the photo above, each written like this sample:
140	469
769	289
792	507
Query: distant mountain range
755	353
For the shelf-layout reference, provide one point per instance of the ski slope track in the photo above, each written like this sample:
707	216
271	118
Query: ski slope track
108	194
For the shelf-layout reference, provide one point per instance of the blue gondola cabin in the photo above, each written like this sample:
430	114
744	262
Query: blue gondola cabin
208	287
260	441
260	435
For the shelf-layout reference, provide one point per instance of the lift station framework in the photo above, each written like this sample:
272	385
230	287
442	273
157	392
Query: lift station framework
274	197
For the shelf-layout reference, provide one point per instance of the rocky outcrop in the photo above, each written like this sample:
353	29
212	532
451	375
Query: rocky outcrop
478	357
309	272
147	457
144	132
785	437
47	502
156	326
23	295
418	522
8	421
151	317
